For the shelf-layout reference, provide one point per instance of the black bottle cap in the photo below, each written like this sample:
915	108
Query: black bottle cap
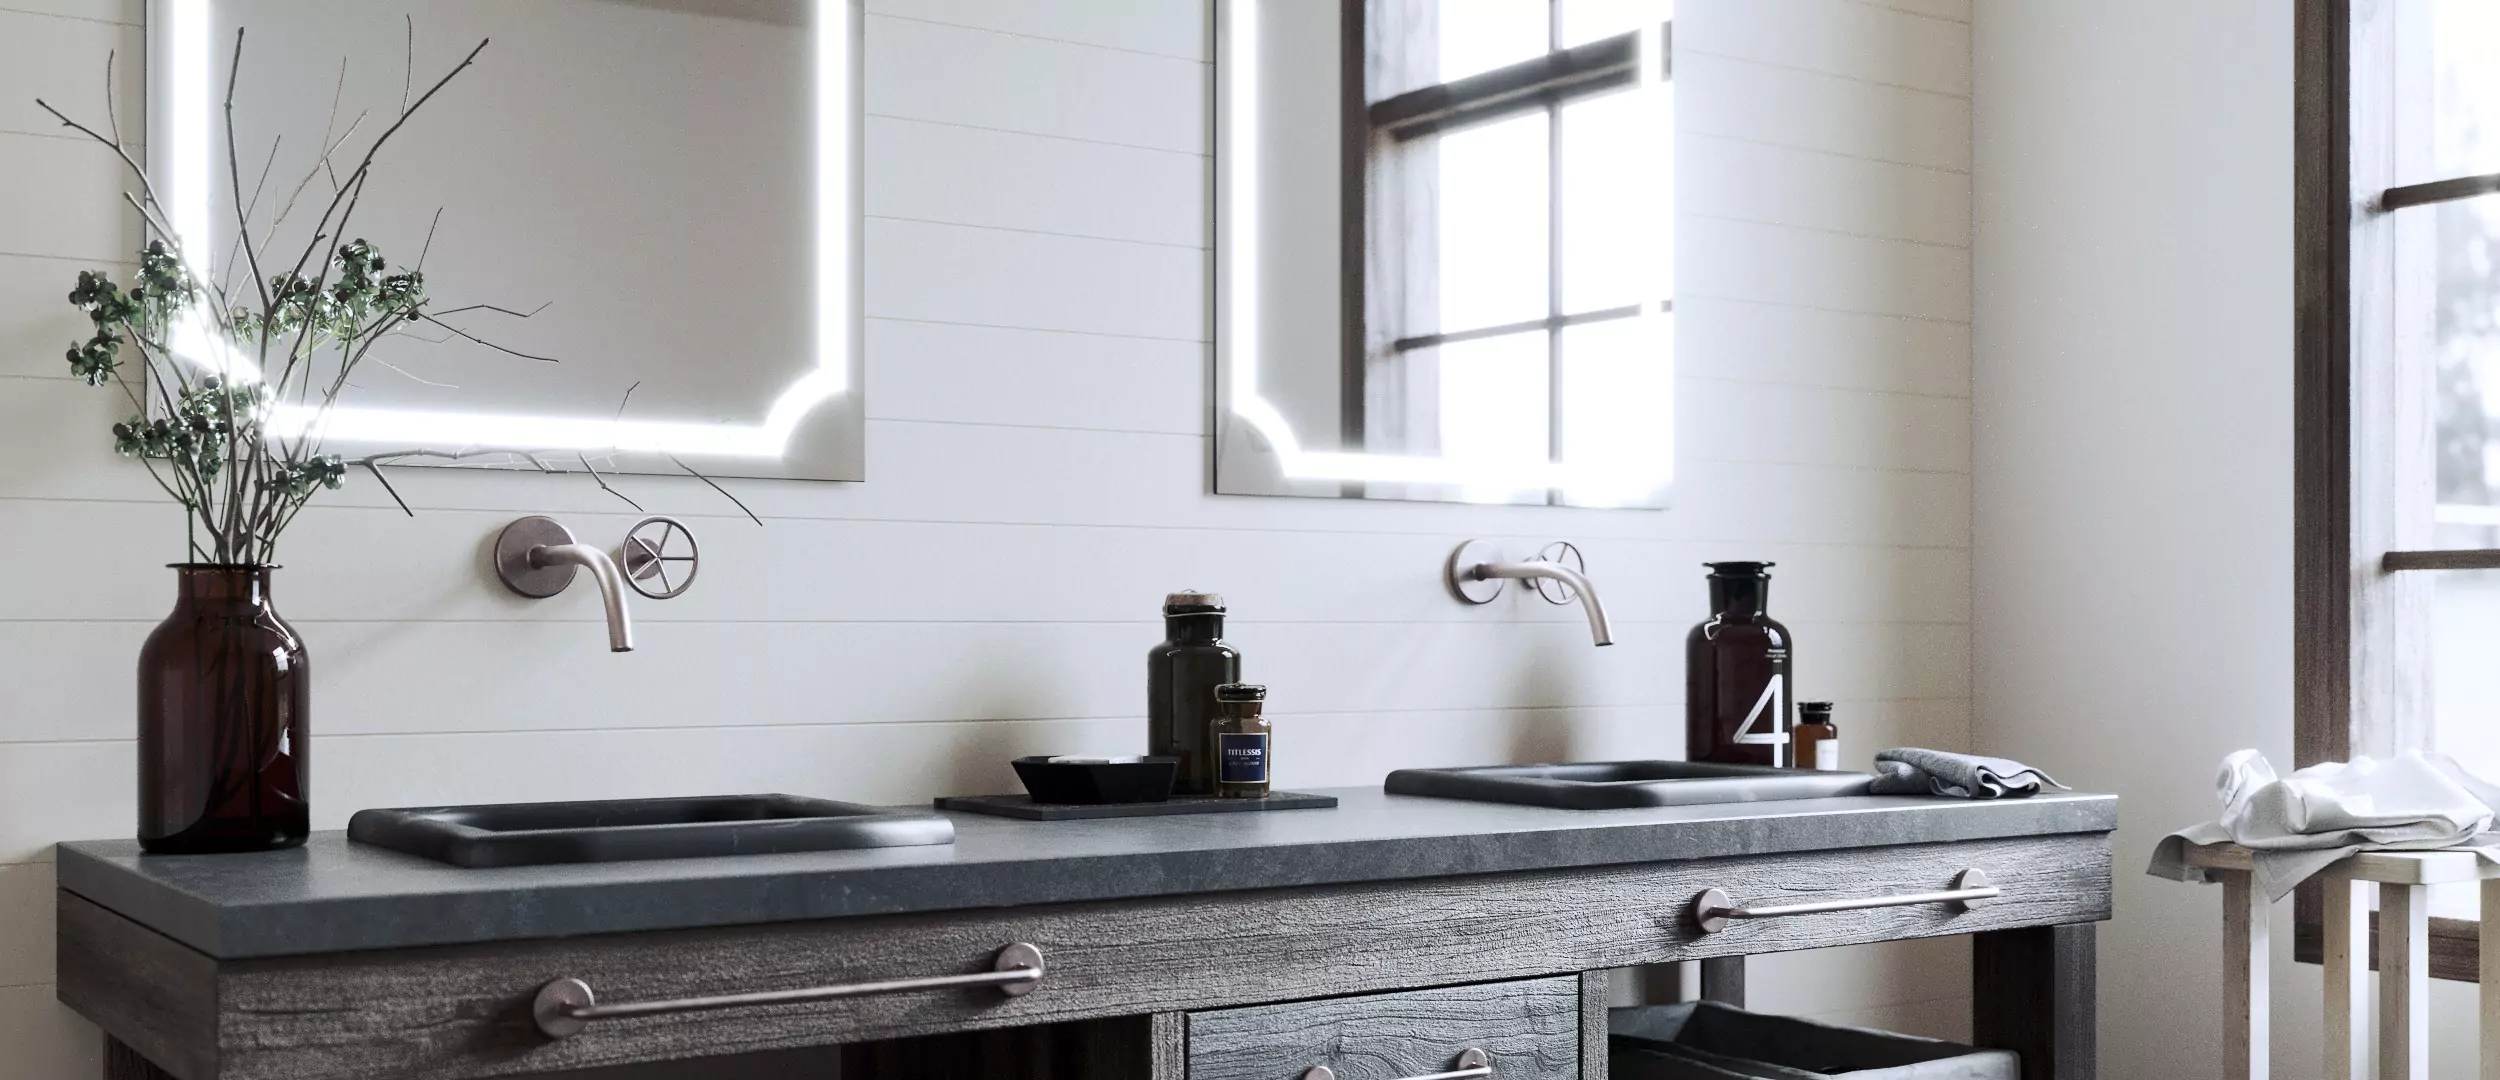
1233	691
1814	712
1739	569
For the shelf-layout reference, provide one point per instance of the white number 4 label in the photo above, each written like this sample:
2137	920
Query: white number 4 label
1761	727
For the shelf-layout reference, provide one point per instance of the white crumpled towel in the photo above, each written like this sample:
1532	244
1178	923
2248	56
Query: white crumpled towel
2303	823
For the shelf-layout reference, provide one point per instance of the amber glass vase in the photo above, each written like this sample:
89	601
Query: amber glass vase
223	687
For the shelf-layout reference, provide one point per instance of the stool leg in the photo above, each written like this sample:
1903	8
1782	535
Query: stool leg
2247	926
2491	987
2404	982
2347	979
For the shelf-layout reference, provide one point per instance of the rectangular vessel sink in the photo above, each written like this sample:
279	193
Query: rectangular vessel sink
522	834
1621	785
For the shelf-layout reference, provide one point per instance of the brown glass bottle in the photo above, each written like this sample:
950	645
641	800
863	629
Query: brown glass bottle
1736	673
1181	677
224	691
1242	740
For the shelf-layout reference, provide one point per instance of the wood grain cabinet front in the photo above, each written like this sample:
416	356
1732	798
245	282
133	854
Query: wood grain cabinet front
1526	1029
456	1012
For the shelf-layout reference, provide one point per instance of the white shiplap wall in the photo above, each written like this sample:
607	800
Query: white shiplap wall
1037	179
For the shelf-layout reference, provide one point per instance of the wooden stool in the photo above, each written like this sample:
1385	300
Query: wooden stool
2404	1004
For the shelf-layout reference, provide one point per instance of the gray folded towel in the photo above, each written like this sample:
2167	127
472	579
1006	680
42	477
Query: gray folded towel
1911	771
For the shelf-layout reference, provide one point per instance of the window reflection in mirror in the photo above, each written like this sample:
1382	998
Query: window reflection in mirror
1445	250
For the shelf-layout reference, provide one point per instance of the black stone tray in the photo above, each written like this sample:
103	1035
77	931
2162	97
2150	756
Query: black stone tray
1023	806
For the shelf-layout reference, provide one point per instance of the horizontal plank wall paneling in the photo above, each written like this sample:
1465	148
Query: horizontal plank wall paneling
59	59
1038	267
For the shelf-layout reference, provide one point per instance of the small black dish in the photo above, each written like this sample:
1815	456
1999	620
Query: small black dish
1083	781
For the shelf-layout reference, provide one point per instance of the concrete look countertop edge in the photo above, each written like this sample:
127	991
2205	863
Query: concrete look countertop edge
331	896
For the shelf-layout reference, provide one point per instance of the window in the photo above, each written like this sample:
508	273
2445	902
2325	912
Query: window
1515	191
2397	398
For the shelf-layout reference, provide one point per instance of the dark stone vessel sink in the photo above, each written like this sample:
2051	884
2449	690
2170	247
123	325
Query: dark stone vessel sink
1624	785
523	834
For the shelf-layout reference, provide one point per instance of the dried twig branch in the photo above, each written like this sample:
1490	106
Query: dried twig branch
724	492
488	344
375	468
428	249
493	308
593	470
234	169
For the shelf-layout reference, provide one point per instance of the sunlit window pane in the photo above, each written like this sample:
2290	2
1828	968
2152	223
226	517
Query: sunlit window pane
1480	35
2465	91
2465	337
1584	21
2465	686
1617	430
1613	243
1493	399
1493	224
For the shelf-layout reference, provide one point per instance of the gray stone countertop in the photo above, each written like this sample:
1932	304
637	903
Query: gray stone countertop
332	896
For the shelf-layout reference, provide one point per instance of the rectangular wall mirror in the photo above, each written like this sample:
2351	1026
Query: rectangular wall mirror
1444	250
669	187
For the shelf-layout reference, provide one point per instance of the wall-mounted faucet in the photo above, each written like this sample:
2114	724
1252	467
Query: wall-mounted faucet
1477	571
538	558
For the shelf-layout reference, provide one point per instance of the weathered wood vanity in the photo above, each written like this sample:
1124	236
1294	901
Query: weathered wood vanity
1384	938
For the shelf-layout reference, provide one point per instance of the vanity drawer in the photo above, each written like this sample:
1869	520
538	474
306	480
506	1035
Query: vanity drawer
1529	1028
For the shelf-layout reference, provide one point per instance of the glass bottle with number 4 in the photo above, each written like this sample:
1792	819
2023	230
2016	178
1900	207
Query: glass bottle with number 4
1736	673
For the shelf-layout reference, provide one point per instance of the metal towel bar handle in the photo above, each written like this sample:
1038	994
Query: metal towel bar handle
1712	909
565	1006
1474	1064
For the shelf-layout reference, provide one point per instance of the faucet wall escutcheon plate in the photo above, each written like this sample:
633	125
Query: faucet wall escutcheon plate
514	565
1464	582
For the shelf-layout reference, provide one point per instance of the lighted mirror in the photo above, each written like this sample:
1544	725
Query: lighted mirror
669	189
1444	250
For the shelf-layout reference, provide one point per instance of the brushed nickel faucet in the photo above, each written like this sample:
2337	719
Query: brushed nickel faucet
537	557
1477	571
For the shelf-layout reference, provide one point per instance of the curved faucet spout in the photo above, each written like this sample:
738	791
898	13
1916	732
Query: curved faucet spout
611	585
1599	628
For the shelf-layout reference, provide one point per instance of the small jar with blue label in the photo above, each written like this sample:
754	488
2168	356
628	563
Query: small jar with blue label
1241	741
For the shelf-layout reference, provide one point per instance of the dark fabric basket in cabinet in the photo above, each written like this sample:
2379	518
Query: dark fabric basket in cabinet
1709	1041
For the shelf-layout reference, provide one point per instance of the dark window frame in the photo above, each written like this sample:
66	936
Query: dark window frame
2361	557
1547	83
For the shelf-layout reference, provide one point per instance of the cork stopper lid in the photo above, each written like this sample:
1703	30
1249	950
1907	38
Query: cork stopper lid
1191	601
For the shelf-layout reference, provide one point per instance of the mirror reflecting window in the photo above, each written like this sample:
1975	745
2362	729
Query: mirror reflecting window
666	189
1444	250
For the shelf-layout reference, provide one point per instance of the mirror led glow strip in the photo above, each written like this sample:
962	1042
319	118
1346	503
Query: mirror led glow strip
187	191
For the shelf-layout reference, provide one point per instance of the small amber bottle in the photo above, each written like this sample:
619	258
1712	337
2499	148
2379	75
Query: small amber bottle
1241	740
1818	739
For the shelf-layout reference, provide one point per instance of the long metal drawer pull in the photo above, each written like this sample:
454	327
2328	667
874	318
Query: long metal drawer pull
565	1006
1712	909
1474	1064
